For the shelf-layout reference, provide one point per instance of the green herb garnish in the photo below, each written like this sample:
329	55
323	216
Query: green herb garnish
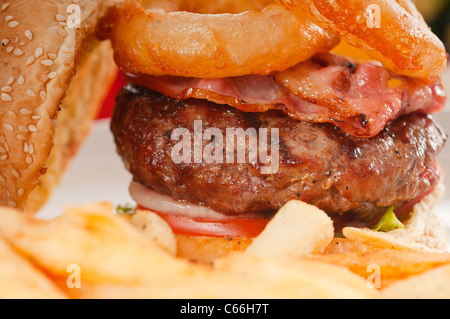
388	222
127	209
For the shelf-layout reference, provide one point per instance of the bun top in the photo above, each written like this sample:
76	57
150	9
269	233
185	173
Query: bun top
40	42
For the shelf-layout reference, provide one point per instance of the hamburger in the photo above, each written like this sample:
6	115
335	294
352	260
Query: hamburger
338	130
216	143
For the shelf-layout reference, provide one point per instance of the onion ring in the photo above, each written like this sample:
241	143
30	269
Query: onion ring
206	6
402	42
213	45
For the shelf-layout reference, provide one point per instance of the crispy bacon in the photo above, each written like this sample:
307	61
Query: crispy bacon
358	98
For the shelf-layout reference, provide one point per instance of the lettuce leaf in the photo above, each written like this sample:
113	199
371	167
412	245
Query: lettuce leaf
388	222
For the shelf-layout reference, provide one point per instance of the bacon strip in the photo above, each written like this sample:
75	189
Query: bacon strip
358	98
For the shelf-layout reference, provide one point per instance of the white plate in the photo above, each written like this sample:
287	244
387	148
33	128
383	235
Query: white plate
97	173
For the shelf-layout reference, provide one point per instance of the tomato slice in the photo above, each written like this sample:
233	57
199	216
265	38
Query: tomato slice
184	225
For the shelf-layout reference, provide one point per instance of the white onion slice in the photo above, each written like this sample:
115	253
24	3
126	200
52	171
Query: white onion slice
150	199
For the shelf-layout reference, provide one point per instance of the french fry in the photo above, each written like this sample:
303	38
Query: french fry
393	265
345	245
21	279
301	278
244	276
103	246
156	230
383	240
296	229
431	284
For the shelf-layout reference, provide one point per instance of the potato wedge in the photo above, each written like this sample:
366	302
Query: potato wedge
393	265
22	280
383	240
155	229
345	245
431	284
240	276
105	247
300	277
296	229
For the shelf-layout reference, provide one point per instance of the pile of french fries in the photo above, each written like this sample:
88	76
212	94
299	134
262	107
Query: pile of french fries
91	252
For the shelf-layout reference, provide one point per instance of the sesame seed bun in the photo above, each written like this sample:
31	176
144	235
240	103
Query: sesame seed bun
47	65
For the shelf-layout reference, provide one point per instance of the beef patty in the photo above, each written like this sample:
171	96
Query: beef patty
318	163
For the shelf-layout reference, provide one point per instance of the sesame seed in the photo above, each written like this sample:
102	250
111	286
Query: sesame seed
5	6
52	75
10	81
15	39
2	150
38	52
8	127
4	157
20	137
75	1
18	52
29	34
52	56
60	17
29	159
9	18
31	93
62	33
22	128
20	192
65	49
25	111
22	43
32	128
36	117
26	148
47	62
6	97
13	24
9	49
5	42
30	60
21	80
43	95
15	173
7	89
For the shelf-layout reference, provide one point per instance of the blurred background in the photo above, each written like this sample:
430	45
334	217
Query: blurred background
437	15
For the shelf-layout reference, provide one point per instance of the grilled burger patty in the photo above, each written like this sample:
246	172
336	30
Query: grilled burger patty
318	163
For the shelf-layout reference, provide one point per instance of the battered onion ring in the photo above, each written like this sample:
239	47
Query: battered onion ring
402	41
206	6
213	45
